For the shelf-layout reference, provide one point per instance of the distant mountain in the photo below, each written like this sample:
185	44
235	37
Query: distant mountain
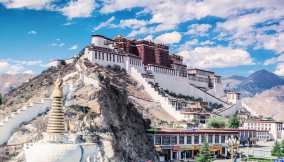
9	81
262	92
255	83
258	82
231	82
235	77
269	103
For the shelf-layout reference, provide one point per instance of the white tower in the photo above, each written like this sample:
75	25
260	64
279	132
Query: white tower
233	97
55	125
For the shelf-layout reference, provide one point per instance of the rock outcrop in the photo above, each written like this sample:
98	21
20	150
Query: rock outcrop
100	113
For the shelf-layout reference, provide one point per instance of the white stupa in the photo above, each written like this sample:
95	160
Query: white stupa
55	146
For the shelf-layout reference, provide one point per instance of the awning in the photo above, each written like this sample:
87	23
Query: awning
215	148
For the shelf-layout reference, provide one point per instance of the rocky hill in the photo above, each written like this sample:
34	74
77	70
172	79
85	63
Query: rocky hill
269	103
100	103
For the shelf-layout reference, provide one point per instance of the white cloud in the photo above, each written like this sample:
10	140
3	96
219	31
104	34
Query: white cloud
188	45
240	17
216	57
32	32
149	37
104	24
28	72
198	29
141	31
78	8
137	26
273	42
29	4
13	68
279	69
241	30
169	38
58	43
251	71
117	5
274	60
132	23
27	62
74	47
68	23
161	11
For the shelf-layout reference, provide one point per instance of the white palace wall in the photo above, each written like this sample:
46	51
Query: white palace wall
182	85
106	59
166	78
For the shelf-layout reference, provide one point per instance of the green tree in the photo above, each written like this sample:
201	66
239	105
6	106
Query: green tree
204	154
216	122
282	147
276	151
234	121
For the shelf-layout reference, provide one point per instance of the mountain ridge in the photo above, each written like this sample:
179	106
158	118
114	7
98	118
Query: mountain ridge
11	81
257	82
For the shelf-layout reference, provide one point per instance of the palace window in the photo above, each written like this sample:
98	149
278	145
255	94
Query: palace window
223	139
181	139
173	140
216	138
158	140
196	139
166	140
210	138
203	139
188	140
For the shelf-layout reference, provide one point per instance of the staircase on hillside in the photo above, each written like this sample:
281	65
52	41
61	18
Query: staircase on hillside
227	109
225	104
23	115
164	101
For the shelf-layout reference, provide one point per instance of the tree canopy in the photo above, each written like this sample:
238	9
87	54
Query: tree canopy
278	149
234	121
216	122
204	154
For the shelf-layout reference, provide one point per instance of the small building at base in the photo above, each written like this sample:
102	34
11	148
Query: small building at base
184	144
273	127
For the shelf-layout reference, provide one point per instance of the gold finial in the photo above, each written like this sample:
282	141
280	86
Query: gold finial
58	90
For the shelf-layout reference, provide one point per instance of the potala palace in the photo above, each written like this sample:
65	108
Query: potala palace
105	100
155	68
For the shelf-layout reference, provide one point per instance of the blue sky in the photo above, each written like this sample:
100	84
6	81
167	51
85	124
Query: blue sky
227	36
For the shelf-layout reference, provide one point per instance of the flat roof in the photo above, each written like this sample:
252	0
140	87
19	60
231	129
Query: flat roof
201	113
97	35
202	70
193	131
262	121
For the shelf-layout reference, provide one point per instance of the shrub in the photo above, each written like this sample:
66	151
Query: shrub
216	122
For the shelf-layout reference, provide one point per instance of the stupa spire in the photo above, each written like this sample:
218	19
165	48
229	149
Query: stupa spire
55	125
